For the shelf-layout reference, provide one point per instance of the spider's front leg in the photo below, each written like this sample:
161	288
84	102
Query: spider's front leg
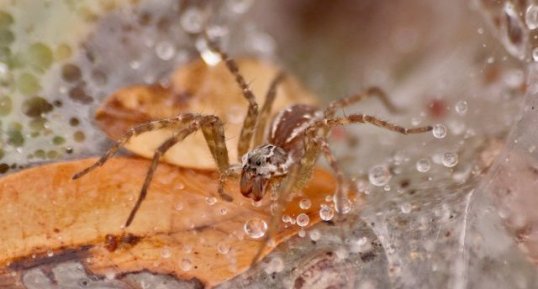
247	131
174	122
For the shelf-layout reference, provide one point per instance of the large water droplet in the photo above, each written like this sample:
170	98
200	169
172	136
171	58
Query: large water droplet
255	228
379	175
535	54
326	213
531	16
192	20
439	131
515	37
303	220
209	56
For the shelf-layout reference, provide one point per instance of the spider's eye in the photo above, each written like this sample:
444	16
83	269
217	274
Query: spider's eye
258	163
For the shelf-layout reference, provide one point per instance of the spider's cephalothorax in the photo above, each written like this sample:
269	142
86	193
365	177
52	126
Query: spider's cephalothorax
259	166
283	152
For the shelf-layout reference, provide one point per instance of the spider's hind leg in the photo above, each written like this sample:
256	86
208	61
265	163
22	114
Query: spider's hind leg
373	91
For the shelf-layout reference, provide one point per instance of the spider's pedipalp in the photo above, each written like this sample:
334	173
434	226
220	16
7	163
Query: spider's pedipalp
213	130
284	187
232	171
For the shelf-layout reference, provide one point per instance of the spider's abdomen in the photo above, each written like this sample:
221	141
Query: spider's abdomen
289	125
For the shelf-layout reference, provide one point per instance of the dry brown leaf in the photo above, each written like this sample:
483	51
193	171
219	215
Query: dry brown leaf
200	88
42	209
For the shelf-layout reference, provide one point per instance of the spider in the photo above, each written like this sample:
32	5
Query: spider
277	155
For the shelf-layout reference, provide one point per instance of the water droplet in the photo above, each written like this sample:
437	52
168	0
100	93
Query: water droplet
439	131
344	207
341	253
305	204
165	50
288	219
423	165
209	56
275	265
314	235
192	20
302	220
166	253
178	207
255	228
185	264
535	54
187	249
302	233
531	16
239	6
461	107
50	253
450	159
415	121
405	208
514	78
223	248
514	35
326	213
379	175
211	200
134	64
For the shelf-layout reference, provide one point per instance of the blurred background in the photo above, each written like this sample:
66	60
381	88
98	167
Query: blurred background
450	209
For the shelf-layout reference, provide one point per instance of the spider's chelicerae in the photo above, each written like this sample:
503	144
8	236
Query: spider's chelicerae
278	155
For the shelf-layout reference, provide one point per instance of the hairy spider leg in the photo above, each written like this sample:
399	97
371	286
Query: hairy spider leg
249	123
341	185
213	130
232	171
330	111
315	145
161	150
174	122
364	118
265	112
